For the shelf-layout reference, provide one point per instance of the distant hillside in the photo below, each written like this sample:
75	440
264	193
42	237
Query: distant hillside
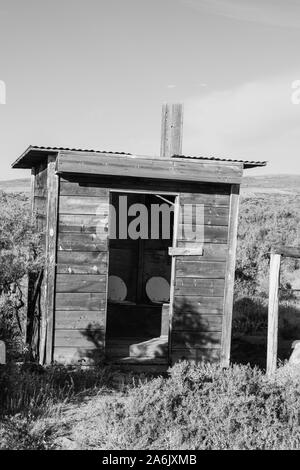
280	184
16	186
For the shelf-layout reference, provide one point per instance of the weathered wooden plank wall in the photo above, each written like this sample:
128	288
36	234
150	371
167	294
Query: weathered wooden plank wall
44	206
73	162
200	279
82	268
81	282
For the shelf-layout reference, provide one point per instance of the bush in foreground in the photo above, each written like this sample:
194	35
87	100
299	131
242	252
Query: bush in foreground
20	254
194	407
205	407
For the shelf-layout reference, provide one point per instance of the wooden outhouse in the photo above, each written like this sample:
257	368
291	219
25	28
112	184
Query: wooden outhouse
133	299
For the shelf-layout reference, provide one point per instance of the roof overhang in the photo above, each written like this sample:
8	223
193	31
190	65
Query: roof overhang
246	163
33	156
117	163
158	168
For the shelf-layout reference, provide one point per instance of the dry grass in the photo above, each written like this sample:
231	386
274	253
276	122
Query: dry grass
194	407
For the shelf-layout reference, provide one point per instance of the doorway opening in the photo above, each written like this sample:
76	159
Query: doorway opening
139	277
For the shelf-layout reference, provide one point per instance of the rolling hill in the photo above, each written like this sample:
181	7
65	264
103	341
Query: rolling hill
16	186
279	184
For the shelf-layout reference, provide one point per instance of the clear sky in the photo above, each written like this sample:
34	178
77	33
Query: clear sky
94	73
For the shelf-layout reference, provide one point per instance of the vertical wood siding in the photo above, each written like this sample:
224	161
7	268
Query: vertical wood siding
82	267
200	279
81	282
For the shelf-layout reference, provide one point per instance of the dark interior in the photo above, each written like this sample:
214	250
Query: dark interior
137	327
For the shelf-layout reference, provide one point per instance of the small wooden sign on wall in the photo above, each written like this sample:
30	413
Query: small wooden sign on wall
182	251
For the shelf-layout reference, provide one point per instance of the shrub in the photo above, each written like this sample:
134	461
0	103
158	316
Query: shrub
250	315
263	222
20	250
205	407
194	407
24	433
20	254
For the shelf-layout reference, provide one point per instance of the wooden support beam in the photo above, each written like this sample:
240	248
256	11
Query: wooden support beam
171	129
230	271
273	314
32	189
29	303
50	261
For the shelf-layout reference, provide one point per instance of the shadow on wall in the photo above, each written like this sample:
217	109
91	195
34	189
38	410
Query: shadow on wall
250	325
197	327
196	335
93	352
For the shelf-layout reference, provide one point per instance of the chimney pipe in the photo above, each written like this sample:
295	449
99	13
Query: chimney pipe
171	129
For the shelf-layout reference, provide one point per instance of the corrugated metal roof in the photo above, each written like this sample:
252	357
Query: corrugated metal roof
218	159
34	153
67	149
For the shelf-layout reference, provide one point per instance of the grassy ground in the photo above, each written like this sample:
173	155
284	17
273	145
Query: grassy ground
40	406
192	407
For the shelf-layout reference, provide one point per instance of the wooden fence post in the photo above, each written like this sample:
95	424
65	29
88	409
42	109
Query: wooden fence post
273	314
